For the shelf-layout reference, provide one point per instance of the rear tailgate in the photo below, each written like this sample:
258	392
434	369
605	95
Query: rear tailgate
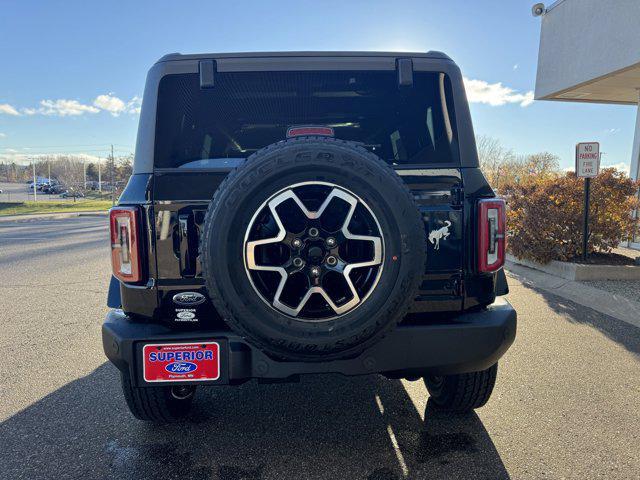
181	200
410	120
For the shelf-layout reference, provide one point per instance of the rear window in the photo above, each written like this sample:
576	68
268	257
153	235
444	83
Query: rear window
220	126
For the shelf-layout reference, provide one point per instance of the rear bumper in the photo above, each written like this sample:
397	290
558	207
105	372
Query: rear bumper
473	342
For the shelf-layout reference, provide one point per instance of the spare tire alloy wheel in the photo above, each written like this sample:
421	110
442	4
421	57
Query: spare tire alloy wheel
320	253
313	249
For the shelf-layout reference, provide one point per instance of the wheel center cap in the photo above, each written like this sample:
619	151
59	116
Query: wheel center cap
315	253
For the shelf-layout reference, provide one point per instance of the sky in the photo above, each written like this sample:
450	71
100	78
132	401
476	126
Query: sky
72	73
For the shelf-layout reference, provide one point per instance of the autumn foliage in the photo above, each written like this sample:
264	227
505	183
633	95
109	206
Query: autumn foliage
545	214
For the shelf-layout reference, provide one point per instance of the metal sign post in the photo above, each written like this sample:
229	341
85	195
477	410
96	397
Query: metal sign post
585	220
587	167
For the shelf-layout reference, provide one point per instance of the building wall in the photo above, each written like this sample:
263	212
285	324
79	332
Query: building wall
582	40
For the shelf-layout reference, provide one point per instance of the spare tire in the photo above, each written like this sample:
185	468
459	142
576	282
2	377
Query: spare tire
313	249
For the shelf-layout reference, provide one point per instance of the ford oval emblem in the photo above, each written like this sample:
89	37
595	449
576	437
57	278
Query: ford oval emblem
181	367
188	299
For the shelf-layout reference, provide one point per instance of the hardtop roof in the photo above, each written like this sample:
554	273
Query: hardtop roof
433	54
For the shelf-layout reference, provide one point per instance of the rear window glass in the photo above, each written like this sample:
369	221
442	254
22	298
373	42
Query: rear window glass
244	112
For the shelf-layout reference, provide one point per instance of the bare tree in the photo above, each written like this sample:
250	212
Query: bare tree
69	170
494	159
503	167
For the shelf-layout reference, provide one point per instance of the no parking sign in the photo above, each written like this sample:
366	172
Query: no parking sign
587	167
587	159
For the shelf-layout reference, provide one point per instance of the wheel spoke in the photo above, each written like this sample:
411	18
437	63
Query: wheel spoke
295	311
251	246
377	245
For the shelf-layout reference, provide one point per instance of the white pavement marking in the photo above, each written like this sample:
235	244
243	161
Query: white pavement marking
379	403
398	452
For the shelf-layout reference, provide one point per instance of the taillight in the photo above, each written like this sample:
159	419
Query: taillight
125	246
491	234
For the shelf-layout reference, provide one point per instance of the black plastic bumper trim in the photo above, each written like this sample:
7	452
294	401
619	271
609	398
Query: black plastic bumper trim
473	341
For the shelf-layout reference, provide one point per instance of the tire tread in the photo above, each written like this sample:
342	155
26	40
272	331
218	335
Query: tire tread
153	404
465	391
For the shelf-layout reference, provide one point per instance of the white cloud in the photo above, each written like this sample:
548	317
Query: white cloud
61	108
115	106
623	167
516	66
64	107
8	109
10	155
495	94
133	105
10	150
3	135
110	103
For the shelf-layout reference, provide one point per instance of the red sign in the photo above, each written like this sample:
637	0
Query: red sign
181	362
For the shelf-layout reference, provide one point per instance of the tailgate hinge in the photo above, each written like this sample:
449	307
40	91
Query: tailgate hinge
457	196
457	285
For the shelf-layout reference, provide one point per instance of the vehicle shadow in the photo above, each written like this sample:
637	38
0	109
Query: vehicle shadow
323	427
620	332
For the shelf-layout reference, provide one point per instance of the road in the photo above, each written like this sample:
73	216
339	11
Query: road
566	404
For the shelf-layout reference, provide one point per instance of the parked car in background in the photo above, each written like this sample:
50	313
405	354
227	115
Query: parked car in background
47	187
71	193
57	189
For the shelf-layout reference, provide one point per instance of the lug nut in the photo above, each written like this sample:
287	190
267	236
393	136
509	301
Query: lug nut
315	271
331	242
297	243
313	231
298	262
332	261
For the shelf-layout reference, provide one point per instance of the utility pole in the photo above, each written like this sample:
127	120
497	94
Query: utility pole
99	177
33	164
113	185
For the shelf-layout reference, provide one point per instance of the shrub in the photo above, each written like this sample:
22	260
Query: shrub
545	215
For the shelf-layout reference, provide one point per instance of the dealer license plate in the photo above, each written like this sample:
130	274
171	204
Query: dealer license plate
181	362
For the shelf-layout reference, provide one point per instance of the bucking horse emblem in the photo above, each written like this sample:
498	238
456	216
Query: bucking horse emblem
440	234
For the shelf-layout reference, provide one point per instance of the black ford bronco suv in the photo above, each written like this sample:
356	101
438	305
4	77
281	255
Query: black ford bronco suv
298	213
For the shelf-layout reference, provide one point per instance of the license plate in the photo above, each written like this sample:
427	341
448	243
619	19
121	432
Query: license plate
181	362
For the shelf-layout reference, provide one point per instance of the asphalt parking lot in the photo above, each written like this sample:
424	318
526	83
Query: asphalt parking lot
566	404
19	192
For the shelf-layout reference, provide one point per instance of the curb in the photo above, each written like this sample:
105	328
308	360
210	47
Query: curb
51	216
615	306
580	272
